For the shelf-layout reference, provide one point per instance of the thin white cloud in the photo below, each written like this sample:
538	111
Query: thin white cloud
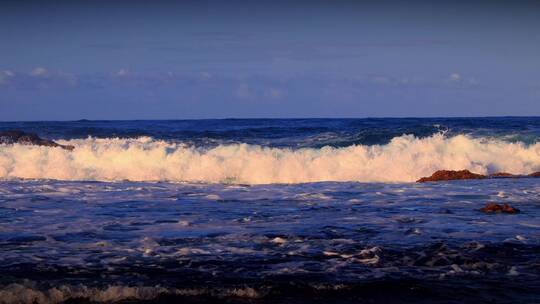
379	79
39	72
455	77
206	75
276	93
122	73
70	79
5	76
244	92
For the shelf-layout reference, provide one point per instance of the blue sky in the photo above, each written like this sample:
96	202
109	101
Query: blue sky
63	60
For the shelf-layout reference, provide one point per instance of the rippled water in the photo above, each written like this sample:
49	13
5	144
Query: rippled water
270	211
269	242
311	133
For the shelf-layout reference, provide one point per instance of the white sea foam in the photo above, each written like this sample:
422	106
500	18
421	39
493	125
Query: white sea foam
28	293
404	159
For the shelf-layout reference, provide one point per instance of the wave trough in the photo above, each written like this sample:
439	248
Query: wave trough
403	159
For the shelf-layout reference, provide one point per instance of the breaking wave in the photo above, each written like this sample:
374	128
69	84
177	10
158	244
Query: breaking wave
404	159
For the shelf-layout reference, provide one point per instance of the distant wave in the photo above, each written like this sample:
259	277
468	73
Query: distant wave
404	159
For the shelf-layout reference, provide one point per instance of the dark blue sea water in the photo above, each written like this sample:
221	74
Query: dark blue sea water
270	211
314	133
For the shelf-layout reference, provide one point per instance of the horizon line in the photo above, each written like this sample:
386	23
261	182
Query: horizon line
273	118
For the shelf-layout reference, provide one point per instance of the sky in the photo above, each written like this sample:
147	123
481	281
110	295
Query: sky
69	60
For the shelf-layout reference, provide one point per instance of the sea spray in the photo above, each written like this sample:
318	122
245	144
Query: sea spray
403	159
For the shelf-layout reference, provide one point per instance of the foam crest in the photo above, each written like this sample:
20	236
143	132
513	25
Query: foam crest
404	159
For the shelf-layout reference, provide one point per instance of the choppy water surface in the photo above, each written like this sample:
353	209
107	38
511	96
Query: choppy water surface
272	242
270	211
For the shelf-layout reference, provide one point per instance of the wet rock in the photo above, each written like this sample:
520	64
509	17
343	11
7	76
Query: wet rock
497	208
535	174
446	175
23	138
503	174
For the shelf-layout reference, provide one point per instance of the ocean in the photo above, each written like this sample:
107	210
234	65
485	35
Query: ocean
270	211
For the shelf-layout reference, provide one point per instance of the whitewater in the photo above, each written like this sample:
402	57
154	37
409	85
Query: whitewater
404	159
270	211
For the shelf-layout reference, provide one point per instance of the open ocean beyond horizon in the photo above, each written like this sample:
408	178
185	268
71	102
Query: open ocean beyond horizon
270	211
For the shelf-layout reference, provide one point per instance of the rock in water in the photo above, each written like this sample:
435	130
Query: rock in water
535	174
23	138
446	175
496	208
503	174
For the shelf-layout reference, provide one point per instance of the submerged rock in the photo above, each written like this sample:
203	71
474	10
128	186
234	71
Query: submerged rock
446	175
23	138
497	208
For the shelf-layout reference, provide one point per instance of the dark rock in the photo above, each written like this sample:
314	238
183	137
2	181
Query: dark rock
503	174
535	174
446	175
497	208
23	138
